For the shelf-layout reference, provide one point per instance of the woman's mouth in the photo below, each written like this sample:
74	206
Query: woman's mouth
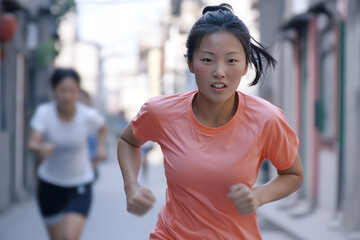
218	85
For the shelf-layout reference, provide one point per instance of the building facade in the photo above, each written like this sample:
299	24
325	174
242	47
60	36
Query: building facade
316	83
24	78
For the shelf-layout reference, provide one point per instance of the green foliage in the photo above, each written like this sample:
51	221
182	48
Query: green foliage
45	53
61	7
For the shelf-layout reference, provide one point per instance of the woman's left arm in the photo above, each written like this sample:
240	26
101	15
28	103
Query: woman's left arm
101	152
248	200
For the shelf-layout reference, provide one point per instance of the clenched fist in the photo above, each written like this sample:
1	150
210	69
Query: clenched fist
243	198
139	199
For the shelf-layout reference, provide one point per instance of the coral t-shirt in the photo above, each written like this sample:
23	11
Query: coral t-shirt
201	163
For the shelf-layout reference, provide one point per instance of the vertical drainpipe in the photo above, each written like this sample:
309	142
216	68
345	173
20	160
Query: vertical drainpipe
296	94
312	66
341	106
297	100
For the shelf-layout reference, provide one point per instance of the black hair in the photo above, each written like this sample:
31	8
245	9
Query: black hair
60	74
221	18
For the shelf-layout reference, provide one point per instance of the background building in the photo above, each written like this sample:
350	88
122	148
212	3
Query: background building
24	74
316	83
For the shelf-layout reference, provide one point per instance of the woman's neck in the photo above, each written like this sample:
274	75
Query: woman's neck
213	114
66	114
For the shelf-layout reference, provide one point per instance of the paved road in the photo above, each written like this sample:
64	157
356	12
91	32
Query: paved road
108	218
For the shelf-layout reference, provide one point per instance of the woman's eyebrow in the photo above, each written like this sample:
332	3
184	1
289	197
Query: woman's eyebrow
208	52
211	53
234	52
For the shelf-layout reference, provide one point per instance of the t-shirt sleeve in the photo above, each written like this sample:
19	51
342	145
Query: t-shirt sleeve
145	124
279	142
38	120
96	119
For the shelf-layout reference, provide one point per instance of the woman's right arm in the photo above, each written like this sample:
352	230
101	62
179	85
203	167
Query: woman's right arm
139	199
36	145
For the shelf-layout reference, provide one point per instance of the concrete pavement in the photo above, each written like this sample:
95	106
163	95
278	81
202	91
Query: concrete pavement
312	226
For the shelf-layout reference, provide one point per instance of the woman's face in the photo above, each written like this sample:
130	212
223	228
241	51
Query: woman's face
218	65
66	93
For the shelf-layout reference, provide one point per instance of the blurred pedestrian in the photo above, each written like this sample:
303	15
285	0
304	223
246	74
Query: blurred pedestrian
120	123
59	136
213	140
84	98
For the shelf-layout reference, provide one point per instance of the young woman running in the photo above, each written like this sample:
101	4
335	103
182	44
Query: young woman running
213	140
59	137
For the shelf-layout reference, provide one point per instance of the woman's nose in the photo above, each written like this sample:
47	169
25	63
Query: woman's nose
219	71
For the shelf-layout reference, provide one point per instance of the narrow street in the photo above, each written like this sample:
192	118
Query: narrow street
108	217
127	51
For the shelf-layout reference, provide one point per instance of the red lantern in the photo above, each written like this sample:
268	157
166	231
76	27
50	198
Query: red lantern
8	27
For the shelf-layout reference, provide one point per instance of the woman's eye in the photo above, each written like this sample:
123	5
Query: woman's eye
232	61
207	60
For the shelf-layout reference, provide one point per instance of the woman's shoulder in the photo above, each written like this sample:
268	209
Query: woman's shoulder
43	114
165	108
170	100
169	104
45	108
259	109
87	111
84	108
258	103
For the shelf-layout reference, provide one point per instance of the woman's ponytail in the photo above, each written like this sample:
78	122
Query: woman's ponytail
259	54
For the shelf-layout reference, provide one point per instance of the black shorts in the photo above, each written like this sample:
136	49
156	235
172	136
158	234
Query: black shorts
54	201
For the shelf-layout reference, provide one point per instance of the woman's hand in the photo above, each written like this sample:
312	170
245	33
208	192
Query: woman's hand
101	153
45	150
243	198
248	200
36	145
139	199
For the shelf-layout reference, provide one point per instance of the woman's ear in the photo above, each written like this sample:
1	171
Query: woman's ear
191	67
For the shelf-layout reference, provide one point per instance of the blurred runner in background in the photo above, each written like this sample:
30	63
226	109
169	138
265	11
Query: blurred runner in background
60	130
